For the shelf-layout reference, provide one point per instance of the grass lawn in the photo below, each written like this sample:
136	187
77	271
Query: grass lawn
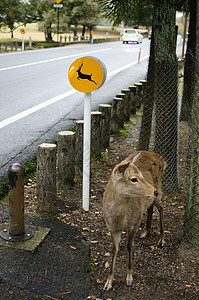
32	31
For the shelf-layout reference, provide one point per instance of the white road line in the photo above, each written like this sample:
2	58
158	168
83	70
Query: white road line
53	59
33	109
126	66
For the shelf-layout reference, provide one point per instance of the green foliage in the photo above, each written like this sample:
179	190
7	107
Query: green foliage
29	170
133	13
3	188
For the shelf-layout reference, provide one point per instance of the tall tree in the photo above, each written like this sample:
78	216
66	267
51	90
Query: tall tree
166	90
11	11
191	225
187	98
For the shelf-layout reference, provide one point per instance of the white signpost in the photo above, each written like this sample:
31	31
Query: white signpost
87	74
22	31
58	6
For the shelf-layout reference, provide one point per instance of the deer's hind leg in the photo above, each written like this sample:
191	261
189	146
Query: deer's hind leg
116	240
149	223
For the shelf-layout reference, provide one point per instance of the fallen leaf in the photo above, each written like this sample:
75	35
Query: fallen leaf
107	265
73	247
188	285
93	242
107	254
152	248
98	280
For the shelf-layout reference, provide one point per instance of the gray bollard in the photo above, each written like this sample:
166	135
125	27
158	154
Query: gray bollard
16	231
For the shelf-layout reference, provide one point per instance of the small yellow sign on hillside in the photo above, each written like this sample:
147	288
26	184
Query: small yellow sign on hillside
58	1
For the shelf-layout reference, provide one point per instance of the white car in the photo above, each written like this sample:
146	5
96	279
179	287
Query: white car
132	35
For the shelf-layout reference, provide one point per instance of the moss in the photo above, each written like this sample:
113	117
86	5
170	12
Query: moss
136	116
126	127
3	189
72	129
122	134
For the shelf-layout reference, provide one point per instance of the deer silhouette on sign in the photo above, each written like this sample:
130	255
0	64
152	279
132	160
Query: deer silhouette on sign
84	76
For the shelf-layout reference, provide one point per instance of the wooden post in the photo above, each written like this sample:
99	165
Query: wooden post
116	114
121	117
96	118
133	96
30	42
46	178
126	104
66	159
139	94
79	127
105	109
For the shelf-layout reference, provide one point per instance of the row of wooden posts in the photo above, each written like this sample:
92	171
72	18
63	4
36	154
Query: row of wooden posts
67	39
58	164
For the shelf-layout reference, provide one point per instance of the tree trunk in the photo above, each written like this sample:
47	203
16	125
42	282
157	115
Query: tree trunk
191	226
83	31
187	98
48	34
148	103
166	91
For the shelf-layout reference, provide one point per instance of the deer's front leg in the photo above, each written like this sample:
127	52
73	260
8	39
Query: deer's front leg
116	240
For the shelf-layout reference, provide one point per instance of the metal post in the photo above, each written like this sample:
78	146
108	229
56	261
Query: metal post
86	151
16	231
139	55
57	25
16	199
184	34
22	46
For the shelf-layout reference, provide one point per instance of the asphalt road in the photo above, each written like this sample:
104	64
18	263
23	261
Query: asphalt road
37	100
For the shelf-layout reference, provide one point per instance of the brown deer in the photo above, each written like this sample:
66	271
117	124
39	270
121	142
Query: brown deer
134	186
84	76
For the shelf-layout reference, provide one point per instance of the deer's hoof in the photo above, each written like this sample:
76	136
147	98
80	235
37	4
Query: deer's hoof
129	279
144	234
161	243
108	285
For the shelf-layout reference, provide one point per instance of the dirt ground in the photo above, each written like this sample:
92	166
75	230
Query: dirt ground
159	273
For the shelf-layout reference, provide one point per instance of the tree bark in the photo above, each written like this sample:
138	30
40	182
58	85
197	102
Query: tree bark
148	103
166	91
187	99
191	226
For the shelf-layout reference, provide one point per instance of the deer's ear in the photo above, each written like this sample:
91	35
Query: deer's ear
120	169
135	158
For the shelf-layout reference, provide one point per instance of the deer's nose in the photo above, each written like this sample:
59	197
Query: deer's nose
156	193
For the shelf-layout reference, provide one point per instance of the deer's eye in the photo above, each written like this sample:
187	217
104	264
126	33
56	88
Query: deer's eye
134	179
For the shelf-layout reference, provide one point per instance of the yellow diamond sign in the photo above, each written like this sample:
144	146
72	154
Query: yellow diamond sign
87	74
58	1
